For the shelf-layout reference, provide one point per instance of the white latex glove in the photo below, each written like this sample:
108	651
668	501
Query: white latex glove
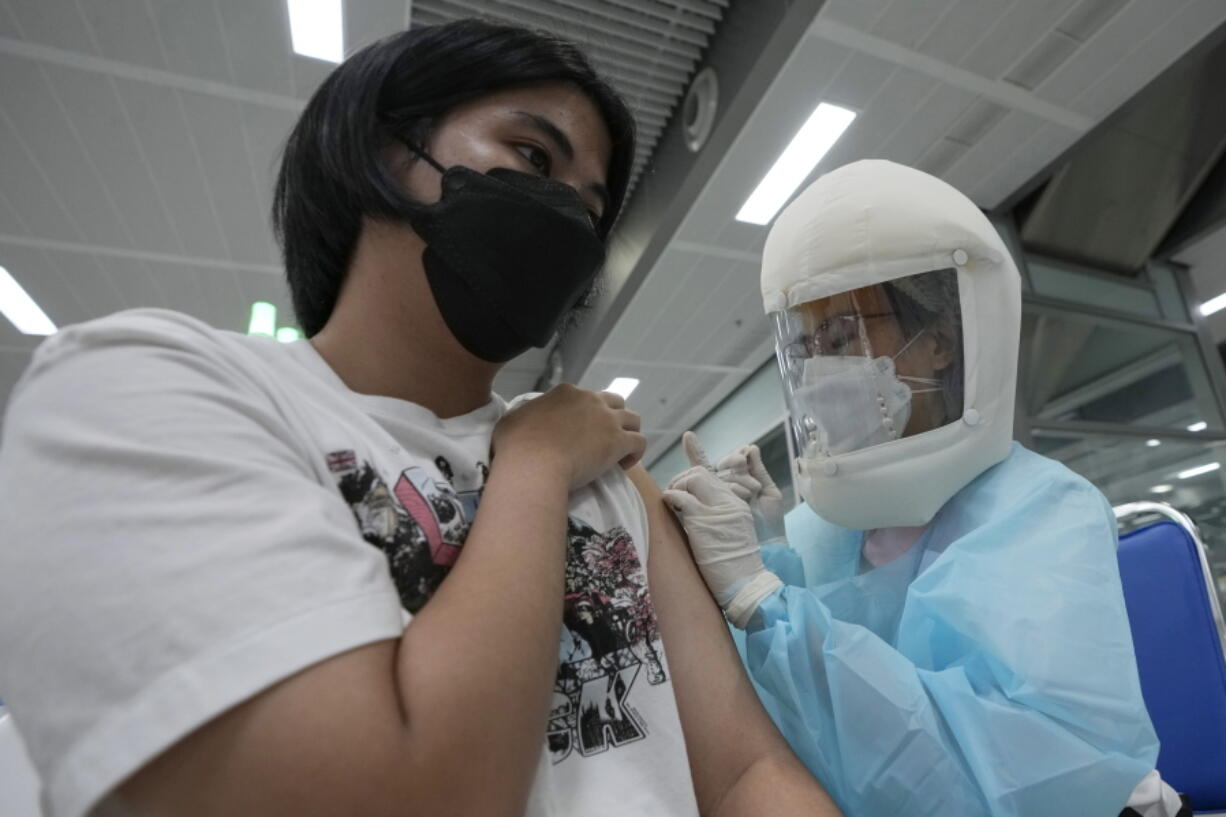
720	528
748	478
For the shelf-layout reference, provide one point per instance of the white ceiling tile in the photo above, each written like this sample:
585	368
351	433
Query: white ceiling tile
986	155
179	289
1163	45
888	111
735	332
964	29
656	335
58	23
372	20
26	187
112	143
908	23
257	44
933	116
11	222
857	82
88	281
1013	34
124	30
1015	170
265	130
8	24
308	74
191	34
218	136
700	330
49	136
45	284
859	14
1113	45
132	278
649	304
158	116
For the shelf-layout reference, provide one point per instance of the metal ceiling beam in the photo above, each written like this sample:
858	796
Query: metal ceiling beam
1113	202
747	52
1205	213
1192	56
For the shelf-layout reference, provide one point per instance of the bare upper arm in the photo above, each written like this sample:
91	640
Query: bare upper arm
329	740
714	696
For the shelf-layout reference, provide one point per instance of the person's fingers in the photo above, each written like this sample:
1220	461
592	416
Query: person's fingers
693	449
685	475
742	493
703	484
756	466
615	401
638	447
740	479
630	420
735	462
682	502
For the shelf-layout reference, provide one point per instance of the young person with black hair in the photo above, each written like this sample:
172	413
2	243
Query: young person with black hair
254	578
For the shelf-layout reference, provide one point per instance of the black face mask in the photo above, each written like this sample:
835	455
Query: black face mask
508	254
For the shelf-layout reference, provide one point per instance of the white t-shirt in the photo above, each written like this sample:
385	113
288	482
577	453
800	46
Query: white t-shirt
190	516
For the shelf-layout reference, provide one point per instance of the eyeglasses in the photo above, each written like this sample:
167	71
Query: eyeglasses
835	335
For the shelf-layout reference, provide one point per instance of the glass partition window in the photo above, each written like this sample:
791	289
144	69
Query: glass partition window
1187	474
1077	367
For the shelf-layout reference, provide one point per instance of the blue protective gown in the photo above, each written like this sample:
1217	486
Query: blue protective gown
989	670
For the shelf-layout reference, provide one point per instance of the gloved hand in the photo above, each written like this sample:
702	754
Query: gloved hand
747	476
720	528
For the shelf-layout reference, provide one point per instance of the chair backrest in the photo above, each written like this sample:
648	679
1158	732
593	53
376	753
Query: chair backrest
1180	642
19	786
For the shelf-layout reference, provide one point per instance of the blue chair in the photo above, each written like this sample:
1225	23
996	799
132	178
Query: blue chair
1180	640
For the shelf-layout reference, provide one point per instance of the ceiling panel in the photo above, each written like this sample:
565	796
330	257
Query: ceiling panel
88	279
1000	40
909	23
159	116
44	137
217	133
191	37
112	145
46	283
123	30
258	45
54	23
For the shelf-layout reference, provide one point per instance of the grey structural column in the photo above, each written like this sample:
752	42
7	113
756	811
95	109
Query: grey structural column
749	48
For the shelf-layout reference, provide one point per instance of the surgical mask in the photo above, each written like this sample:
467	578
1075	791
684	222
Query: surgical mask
508	254
852	402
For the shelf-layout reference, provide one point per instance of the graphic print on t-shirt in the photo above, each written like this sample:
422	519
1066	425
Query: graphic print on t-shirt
420	523
609	639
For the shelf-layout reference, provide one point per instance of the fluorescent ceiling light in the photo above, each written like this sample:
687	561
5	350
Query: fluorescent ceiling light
1215	304
1198	426
1162	489
1153	443
288	334
1198	470
263	319
19	307
317	29
808	146
623	386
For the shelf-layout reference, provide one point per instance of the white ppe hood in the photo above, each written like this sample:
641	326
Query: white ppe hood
875	221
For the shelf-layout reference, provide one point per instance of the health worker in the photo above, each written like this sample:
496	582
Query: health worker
939	629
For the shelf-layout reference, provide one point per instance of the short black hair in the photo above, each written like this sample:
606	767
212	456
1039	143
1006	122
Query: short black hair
332	174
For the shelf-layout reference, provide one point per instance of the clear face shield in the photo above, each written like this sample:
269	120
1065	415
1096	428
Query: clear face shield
872	365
